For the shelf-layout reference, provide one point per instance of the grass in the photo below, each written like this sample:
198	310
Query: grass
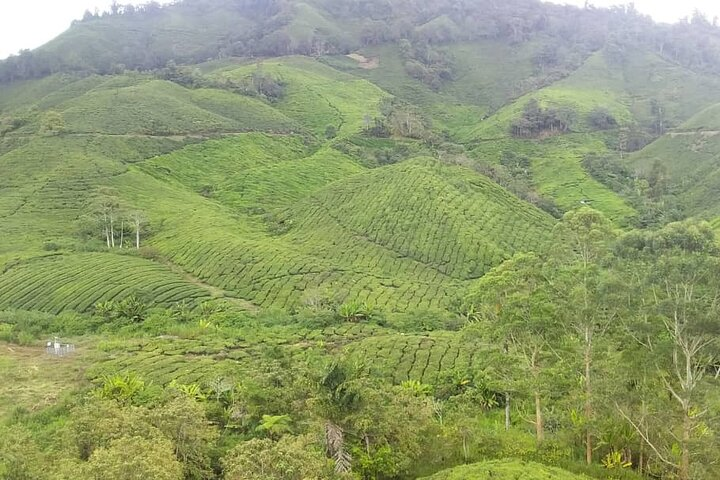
265	218
47	183
32	380
688	155
272	212
448	218
506	470
557	171
287	221
231	353
706	120
447	112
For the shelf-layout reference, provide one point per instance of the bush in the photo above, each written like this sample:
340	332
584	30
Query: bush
51	247
26	327
537	121
601	119
130	309
424	321
331	132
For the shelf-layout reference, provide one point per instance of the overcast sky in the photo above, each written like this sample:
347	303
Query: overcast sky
661	10
30	23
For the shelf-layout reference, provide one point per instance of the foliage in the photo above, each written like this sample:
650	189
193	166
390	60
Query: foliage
505	469
19	455
125	389
601	119
289	458
367	260
135	457
537	121
182	420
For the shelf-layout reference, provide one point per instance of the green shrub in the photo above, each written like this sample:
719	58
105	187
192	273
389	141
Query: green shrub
506	470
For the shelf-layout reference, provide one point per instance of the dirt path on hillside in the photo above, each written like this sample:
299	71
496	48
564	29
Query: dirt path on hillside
690	133
365	62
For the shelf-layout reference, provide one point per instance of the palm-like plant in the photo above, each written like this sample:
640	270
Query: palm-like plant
122	388
339	397
275	426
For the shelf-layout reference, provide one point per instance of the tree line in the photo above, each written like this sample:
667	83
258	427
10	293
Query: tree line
573	34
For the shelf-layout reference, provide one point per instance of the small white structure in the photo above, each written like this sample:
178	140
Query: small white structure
59	349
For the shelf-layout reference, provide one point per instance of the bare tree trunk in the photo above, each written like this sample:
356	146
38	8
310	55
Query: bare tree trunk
588	394
466	450
112	231
539	426
506	351
685	455
507	411
137	234
122	234
107	231
641	462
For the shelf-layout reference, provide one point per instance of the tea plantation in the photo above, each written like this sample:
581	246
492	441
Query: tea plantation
361	239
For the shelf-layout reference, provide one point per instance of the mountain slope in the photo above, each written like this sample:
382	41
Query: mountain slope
687	158
276	178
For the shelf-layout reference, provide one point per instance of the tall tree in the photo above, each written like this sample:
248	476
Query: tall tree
583	239
675	275
514	301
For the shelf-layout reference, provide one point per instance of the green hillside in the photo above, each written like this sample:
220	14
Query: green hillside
367	239
688	161
317	96
266	218
272	254
299	190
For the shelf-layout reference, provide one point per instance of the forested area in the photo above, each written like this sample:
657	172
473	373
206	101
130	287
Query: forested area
273	27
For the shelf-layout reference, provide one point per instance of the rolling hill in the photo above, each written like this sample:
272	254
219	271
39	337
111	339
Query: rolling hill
261	221
306	172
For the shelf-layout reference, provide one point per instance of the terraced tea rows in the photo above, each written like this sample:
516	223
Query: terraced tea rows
162	360
163	108
256	172
317	95
77	282
447	219
274	218
400	237
428	358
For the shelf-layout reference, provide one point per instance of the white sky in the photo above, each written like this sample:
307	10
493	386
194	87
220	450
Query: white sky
661	10
31	23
